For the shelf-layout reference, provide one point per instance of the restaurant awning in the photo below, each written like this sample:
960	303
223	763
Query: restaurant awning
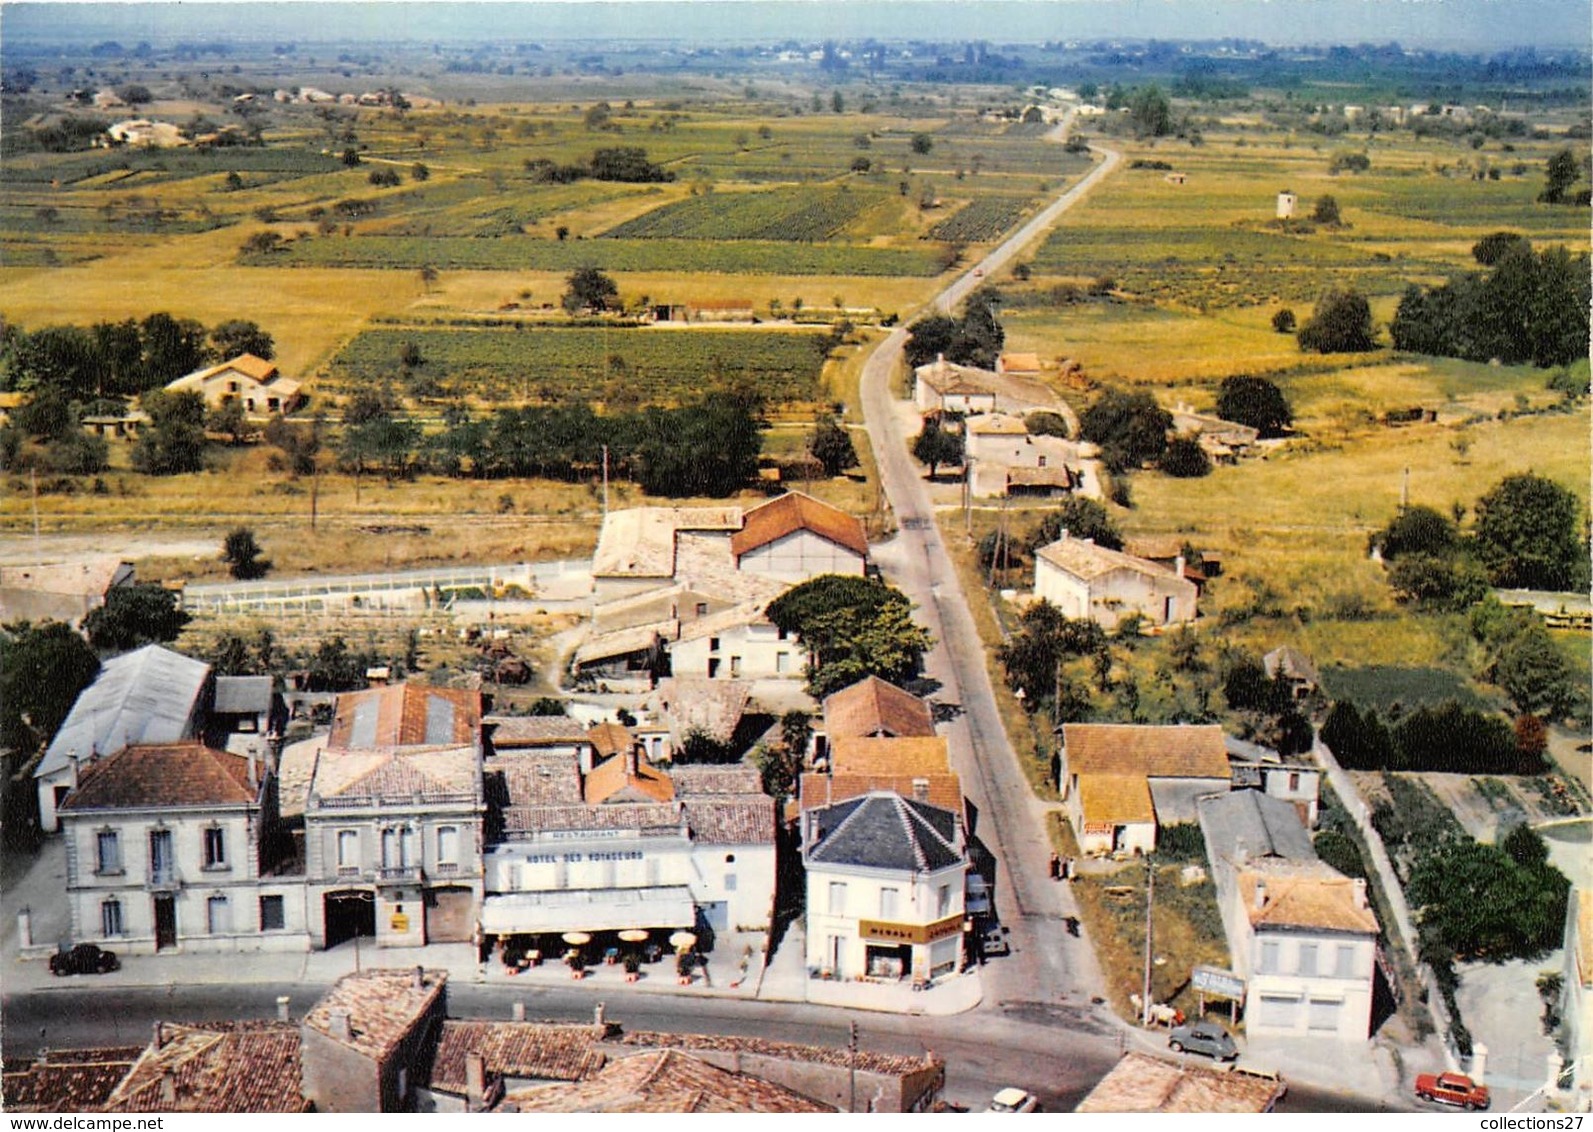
588	910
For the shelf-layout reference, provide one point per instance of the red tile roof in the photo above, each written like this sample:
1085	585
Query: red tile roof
216	1067
66	1080
383	1004
616	781
550	1050
402	714
163	774
820	789
795	511
663	1081
874	707
868	1061
1180	751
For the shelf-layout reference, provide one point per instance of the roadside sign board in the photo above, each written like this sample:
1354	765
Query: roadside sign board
1215	981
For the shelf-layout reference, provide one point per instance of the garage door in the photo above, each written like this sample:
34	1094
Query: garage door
1324	1015
450	916
1278	1012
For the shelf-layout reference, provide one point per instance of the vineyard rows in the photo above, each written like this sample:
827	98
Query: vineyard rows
640	365
731	257
780	214
981	220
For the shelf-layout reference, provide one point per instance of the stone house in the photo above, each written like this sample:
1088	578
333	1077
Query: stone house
253	382
1087	581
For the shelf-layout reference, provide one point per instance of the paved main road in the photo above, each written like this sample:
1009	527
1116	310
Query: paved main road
1050	967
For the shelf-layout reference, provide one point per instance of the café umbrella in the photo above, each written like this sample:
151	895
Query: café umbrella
682	941
575	939
633	935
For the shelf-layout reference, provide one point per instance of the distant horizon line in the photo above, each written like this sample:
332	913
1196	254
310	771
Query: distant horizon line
1469	26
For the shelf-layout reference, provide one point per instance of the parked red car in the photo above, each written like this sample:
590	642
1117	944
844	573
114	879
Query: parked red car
1452	1088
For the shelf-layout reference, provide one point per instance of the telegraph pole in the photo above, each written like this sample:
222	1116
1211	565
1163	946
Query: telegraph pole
605	483
1150	897
851	1067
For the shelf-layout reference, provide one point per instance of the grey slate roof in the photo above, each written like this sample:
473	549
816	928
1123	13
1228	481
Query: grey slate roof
885	831
145	696
1261	825
243	695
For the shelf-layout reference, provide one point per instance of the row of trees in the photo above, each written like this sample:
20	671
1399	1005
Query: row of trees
1448	738
975	339
1527	532
121	359
1532	306
710	447
624	163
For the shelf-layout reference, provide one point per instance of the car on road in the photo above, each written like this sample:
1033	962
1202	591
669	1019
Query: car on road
84	959
1452	1088
1205	1038
993	941
1014	1100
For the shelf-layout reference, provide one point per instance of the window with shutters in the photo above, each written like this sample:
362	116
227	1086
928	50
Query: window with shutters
1308	959
218	916
1323	1015
889	903
215	847
107	852
447	848
111	918
837	898
1269	957
348	851
273	914
1344	961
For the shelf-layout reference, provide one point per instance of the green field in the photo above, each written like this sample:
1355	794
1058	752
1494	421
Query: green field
801	215
635	364
981	219
732	257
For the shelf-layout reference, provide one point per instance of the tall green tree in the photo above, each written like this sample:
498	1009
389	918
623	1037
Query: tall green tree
1529	534
936	445
1131	428
1340	324
1256	402
240	336
831	445
135	615
175	441
243	555
43	667
851	627
588	289
1561	171
1080	518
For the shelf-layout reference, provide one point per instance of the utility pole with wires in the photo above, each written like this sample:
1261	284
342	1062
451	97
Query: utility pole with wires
851	1067
1150	899
605	483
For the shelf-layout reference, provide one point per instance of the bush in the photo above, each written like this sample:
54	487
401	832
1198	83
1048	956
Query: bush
1283	321
1255	401
1341	324
1340	851
1185	459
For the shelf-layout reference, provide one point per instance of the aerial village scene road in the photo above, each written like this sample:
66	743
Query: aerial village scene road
744	557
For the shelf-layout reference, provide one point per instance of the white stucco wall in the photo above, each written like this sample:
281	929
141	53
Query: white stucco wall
801	555
751	652
834	941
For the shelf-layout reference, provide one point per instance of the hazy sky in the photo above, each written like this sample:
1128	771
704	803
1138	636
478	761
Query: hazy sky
1475	25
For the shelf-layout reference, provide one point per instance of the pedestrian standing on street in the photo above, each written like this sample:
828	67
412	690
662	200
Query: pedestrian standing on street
1056	866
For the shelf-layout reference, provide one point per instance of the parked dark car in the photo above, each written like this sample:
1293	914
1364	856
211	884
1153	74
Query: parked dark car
84	959
1203	1037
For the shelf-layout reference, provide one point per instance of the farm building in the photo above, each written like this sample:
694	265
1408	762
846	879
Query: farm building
948	387
1141	1083
1104	586
253	381
871	707
796	537
64	592
1122	782
1023	365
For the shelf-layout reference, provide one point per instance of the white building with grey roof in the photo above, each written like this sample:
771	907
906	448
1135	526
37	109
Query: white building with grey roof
150	695
885	889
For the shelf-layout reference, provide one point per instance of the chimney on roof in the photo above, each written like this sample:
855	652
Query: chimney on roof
597	1015
1360	892
417	978
1178	566
1062	536
735	1061
157	1039
1261	895
254	766
920	789
339	1024
630	762
168	1086
475	1082
72	760
517	1012
282	1007
1241	852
